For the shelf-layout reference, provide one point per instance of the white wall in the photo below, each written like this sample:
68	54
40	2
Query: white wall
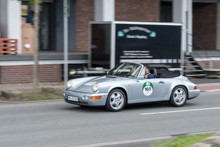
11	20
104	10
182	13
14	21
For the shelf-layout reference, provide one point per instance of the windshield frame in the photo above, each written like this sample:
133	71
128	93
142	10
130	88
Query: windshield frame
123	63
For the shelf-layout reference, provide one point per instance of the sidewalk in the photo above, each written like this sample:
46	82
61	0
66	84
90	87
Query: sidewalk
209	87
204	81
28	88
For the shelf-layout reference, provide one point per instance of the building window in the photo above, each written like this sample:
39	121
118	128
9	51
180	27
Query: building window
46	27
59	43
51	24
166	11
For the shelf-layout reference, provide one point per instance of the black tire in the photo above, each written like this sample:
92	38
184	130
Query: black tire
109	106
172	101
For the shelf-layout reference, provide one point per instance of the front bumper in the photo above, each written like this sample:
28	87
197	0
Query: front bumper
193	93
82	101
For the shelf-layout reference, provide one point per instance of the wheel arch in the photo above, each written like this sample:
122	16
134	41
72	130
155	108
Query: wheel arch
187	91
122	89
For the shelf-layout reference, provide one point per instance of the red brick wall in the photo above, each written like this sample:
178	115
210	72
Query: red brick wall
216	64
137	10
209	64
84	14
204	64
23	74
125	10
204	25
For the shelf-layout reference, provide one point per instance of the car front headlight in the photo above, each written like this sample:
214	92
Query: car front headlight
95	87
69	83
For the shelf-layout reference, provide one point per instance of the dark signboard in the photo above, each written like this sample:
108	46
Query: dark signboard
151	43
100	45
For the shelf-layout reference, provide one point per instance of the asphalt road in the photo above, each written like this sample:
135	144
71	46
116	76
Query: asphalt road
58	124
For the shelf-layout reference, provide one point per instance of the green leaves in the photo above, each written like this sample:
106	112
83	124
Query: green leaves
31	2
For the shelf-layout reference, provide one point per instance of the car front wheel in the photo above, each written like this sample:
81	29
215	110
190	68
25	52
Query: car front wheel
116	100
178	97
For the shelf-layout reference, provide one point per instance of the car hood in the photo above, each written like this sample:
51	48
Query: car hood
107	79
86	84
80	81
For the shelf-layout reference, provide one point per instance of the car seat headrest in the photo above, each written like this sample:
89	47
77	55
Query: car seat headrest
154	71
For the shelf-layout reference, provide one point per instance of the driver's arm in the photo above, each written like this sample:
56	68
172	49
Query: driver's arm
150	76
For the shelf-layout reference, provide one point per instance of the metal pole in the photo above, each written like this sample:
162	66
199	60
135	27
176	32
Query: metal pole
36	46
65	41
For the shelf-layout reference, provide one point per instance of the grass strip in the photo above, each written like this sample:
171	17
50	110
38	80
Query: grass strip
183	141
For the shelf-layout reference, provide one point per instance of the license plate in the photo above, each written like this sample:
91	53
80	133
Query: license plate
72	98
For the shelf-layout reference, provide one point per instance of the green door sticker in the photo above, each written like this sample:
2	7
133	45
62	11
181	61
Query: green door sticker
148	88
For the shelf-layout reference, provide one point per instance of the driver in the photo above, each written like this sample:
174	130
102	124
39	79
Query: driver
148	75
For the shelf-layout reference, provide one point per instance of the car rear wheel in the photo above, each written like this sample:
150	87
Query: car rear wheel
178	97
116	100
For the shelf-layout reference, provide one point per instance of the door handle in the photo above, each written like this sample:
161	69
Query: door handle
161	82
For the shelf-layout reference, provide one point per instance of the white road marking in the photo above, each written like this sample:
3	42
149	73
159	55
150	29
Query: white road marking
166	112
124	142
213	90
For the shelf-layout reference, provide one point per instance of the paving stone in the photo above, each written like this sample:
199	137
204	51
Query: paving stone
217	134
11	94
201	145
214	140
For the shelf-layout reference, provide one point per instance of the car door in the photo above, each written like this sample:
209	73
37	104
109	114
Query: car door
167	86
147	88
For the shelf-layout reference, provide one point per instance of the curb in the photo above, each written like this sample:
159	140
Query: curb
139	140
213	90
210	141
9	104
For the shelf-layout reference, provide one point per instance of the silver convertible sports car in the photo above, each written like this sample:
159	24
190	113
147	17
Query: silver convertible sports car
126	84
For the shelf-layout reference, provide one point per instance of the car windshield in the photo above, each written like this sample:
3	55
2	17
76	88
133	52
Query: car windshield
125	70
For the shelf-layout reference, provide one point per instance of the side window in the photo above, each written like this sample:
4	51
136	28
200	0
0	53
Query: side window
136	72
142	72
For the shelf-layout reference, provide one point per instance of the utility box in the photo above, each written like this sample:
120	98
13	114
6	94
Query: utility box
139	42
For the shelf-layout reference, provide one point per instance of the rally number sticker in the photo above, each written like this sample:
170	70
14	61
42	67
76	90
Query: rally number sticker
148	88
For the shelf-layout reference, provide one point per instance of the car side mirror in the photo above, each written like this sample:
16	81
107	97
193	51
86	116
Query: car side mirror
140	78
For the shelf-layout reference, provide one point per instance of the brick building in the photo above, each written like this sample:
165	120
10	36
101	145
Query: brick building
200	19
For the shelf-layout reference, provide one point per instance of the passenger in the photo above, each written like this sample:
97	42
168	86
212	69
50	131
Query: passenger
132	69
148	75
